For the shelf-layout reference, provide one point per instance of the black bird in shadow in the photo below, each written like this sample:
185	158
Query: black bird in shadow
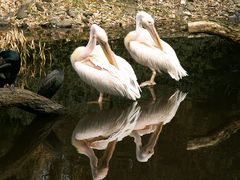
51	83
10	63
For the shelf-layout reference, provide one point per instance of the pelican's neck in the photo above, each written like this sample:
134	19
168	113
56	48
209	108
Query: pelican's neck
138	25
91	45
112	59
82	53
109	54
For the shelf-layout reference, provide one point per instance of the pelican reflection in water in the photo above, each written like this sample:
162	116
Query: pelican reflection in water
104	129
154	115
101	131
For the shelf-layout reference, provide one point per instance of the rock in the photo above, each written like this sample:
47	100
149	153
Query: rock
85	20
236	1
235	18
64	24
187	13
172	16
26	2
46	25
24	26
87	14
190	7
39	7
183	2
4	23
184	28
54	23
22	12
71	13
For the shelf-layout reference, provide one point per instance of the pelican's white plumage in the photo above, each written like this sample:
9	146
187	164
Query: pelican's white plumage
148	49
99	67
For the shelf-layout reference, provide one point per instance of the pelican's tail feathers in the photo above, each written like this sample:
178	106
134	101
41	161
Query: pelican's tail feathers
178	96
178	73
133	90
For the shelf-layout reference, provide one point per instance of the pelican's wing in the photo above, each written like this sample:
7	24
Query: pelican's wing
100	74
125	72
5	66
173	105
127	69
147	55
144	50
123	65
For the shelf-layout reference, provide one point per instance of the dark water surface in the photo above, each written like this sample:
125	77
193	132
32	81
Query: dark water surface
189	132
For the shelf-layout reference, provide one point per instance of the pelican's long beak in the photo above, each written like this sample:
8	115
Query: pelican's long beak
108	52
152	30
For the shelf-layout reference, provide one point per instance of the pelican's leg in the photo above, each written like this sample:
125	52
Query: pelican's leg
153	138
148	149
100	101
104	160
100	98
152	93
102	167
151	82
154	73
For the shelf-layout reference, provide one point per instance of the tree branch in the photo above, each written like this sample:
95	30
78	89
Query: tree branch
29	101
214	138
214	28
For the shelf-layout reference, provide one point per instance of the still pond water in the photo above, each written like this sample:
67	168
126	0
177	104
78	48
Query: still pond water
189	132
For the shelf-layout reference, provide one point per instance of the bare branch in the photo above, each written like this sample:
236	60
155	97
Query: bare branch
29	101
214	28
214	138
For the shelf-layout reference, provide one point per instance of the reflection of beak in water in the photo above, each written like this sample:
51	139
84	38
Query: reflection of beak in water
100	167
101	131
154	115
143	153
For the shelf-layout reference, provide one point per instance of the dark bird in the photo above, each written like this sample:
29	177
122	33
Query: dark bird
51	83
10	63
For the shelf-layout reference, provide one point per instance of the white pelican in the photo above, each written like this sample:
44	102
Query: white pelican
146	47
98	66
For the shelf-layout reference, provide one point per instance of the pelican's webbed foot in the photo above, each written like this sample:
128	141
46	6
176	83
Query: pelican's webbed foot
11	87
147	83
100	101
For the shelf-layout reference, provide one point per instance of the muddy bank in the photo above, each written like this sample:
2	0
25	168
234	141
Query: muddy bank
67	18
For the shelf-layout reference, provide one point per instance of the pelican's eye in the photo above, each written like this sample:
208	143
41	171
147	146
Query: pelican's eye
150	22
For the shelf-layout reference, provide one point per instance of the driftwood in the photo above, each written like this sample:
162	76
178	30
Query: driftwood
29	101
214	138
214	28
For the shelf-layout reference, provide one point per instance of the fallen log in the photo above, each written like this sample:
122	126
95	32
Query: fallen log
29	101
215	137
214	28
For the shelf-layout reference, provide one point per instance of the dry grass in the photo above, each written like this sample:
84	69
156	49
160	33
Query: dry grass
35	58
